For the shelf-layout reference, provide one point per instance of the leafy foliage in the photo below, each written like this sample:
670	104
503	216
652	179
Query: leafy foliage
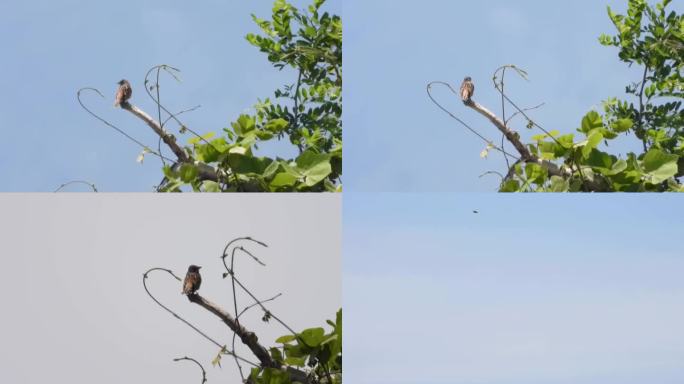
651	38
308	113
311	349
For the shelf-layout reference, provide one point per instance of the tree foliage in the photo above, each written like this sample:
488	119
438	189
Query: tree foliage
307	113
313	349
650	38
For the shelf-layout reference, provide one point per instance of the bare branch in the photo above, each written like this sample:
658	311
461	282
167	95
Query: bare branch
640	120
234	280
169	139
91	185
513	137
204	174
486	140
248	338
174	314
129	137
525	155
204	373
205	171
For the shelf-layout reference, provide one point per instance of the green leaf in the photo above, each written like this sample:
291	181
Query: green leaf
566	141
197	139
510	186
535	173
593	140
315	166
296	361
169	173
276	354
283	179
591	121
271	170
559	184
188	172
659	166
247	164
243	125
276	125
210	186
312	337
622	125
285	339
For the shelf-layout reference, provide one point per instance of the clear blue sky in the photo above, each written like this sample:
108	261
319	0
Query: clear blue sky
531	290
51	49
397	140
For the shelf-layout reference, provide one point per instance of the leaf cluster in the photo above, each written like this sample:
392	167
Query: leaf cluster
308	113
652	38
314	350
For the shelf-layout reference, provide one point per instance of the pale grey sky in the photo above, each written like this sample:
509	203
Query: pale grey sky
75	309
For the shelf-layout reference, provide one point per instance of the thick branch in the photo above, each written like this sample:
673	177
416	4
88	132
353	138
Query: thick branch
525	155
248	338
205	172
168	139
511	135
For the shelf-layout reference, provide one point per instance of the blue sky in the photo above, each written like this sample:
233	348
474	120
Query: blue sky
532	289
397	140
51	49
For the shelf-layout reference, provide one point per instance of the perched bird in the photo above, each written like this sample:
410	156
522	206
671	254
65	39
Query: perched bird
467	90
123	93
192	281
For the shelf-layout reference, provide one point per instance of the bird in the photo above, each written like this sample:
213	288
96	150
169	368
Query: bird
123	93
467	90
192	281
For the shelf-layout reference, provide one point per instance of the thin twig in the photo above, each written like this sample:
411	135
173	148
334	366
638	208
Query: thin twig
230	272
295	124
237	362
174	314
503	110
145	147
204	373
161	124
524	109
641	108
169	69
489	142
91	185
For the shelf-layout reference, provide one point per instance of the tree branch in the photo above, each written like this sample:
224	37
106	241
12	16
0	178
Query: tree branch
205	171
204	373
248	338
169	139
525	155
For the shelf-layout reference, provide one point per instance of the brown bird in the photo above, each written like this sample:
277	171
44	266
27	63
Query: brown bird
467	90
192	281
123	93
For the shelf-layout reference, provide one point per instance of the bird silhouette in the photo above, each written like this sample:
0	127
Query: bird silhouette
192	281
467	90
123	93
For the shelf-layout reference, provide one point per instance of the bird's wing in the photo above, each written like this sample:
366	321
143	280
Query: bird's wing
187	285
118	97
